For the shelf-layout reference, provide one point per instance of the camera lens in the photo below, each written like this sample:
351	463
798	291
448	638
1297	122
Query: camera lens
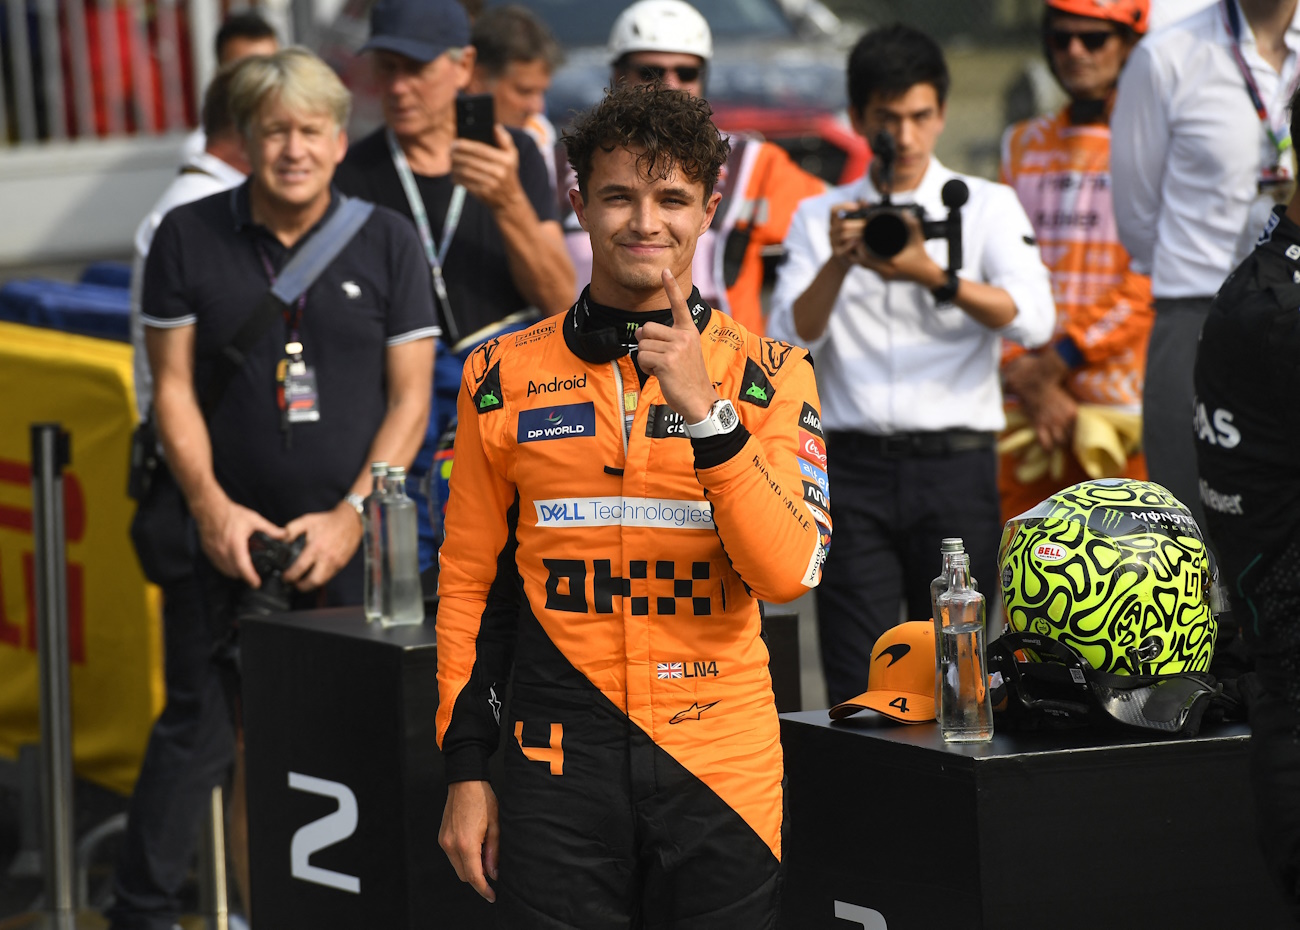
885	234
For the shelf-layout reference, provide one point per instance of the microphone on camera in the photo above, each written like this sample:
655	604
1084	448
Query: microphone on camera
955	194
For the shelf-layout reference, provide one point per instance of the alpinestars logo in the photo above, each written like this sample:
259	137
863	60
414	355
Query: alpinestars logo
691	713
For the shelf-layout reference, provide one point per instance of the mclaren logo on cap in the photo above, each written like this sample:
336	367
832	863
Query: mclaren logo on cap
895	652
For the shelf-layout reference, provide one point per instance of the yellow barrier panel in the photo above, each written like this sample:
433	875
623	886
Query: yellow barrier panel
113	614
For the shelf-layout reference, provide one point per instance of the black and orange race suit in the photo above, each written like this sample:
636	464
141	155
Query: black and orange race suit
643	783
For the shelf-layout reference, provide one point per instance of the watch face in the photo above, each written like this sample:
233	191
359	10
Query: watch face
726	417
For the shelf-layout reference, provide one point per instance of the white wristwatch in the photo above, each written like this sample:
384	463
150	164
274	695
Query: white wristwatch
358	504
722	419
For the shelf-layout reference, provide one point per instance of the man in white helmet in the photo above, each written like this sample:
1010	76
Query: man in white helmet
670	42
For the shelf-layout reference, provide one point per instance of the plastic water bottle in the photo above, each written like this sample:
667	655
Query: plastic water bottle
403	601
965	711
948	547
373	542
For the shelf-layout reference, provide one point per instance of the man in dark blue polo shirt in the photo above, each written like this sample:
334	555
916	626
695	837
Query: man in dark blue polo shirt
486	213
361	337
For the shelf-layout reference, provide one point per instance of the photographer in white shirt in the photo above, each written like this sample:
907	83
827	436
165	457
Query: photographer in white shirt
907	355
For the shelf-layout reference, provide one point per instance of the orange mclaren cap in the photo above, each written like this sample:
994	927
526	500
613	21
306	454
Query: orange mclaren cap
901	683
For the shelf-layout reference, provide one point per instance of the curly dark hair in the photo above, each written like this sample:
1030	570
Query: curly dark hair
670	128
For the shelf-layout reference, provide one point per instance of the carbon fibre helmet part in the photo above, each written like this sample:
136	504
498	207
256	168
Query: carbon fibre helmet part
1117	570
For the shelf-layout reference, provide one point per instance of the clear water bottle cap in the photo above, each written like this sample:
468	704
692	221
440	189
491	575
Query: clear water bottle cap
378	469
397	471
952	544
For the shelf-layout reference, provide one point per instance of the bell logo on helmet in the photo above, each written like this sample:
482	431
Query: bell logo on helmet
1047	552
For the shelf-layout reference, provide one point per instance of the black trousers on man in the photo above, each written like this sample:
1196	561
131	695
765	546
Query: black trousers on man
893	499
192	744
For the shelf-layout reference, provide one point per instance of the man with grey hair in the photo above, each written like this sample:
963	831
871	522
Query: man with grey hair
354	355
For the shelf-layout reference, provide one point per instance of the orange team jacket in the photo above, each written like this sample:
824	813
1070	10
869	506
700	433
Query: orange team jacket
1061	172
636	571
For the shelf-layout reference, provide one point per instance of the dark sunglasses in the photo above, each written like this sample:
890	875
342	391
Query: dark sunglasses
1093	39
651	73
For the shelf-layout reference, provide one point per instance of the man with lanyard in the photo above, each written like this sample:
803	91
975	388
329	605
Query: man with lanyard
1202	152
627	486
1059	166
484	213
907	356
1247	437
279	443
670	42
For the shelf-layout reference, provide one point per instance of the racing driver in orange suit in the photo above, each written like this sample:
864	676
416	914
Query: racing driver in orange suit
631	477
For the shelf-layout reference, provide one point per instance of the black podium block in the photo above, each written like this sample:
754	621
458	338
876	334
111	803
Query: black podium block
345	780
889	827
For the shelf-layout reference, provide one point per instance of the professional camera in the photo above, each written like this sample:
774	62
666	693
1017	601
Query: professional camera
271	558
885	232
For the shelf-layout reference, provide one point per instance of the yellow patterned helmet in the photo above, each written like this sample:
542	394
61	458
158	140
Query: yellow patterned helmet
1117	570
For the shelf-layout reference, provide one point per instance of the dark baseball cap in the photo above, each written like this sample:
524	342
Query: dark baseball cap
419	29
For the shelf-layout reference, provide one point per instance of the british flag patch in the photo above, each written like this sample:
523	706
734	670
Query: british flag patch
670	669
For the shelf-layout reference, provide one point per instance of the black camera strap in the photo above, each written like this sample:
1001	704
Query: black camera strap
293	281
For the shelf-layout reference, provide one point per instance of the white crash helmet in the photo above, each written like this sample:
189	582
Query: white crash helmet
660	26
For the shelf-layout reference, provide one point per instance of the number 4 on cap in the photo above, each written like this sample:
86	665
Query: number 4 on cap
901	704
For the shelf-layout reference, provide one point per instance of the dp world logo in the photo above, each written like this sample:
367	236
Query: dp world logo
569	421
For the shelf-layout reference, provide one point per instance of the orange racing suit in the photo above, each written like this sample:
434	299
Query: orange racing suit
584	525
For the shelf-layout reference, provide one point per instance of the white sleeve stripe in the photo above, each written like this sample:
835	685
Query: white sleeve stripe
428	332
169	322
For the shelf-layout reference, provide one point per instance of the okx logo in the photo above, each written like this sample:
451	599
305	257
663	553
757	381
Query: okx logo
568	421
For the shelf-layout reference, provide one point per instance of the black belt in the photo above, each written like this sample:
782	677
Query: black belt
909	445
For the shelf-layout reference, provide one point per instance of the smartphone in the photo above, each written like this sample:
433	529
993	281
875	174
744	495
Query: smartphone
476	118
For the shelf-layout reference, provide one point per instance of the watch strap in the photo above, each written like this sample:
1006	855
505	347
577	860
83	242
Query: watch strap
358	503
946	291
722	419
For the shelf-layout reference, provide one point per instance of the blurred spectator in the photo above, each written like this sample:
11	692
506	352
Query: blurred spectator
516	56
1059	166
1166	12
221	164
485	213
241	35
907	355
1204	151
669	41
190	740
245	462
1248	451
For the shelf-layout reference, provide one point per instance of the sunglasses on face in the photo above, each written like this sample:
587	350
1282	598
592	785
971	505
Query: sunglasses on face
686	74
1093	40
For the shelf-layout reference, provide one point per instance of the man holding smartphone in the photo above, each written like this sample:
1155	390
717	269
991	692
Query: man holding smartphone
483	211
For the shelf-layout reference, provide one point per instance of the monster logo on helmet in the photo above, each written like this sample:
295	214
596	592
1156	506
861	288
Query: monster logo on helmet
1118	571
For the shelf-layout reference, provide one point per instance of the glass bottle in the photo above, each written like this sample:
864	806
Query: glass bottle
948	547
403	600
374	548
965	711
